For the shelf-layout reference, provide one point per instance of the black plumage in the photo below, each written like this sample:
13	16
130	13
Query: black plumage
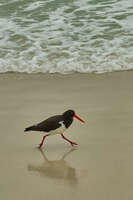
54	122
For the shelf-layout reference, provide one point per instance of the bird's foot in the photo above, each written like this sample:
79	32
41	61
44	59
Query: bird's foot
39	146
73	143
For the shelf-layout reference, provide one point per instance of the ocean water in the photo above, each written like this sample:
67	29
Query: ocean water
66	35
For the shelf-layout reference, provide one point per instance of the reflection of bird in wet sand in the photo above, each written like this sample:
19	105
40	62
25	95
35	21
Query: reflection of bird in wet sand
56	169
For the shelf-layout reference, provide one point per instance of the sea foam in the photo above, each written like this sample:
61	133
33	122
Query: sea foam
70	36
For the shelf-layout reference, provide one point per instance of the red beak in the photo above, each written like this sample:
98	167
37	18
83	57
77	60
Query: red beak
79	118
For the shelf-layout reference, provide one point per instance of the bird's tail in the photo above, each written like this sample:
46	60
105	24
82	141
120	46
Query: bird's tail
31	128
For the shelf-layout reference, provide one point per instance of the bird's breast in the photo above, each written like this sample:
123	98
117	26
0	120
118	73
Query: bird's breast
59	130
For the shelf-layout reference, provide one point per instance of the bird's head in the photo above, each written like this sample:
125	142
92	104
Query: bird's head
70	114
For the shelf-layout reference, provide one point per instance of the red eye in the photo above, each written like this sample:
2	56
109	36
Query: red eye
71	113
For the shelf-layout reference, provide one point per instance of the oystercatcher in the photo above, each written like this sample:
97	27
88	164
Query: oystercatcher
55	125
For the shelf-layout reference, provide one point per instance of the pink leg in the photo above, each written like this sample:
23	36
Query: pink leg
72	143
40	145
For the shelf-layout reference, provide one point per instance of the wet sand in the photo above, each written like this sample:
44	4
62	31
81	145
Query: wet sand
101	168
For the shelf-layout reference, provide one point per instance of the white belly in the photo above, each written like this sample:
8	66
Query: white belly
59	130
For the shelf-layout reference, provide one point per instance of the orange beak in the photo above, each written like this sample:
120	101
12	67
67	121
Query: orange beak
79	118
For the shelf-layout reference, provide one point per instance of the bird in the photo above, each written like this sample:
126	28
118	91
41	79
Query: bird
55	125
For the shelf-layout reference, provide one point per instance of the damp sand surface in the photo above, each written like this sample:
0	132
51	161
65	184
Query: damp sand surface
100	168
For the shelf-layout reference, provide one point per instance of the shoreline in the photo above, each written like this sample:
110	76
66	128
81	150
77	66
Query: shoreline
66	73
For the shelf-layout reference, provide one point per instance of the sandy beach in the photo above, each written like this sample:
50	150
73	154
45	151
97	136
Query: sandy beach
100	168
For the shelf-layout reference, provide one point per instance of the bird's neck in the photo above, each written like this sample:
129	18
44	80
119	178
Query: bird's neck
68	122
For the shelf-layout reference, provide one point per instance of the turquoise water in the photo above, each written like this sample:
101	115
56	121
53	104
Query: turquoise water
66	35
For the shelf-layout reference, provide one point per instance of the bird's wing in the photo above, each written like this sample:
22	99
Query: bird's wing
49	124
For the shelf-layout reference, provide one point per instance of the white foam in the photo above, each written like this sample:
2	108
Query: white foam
34	5
85	40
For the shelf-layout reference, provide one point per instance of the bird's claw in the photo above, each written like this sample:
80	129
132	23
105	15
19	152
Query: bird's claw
73	143
39	146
